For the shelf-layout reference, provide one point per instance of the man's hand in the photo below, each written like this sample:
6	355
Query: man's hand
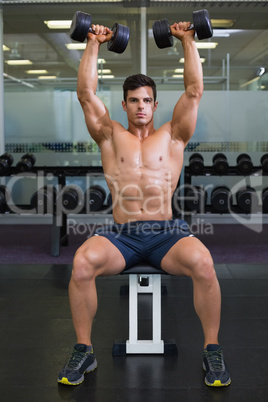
179	30
101	34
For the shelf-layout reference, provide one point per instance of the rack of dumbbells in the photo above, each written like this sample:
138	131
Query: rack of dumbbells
239	198
58	200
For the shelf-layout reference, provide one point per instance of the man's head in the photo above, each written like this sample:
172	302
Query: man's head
137	81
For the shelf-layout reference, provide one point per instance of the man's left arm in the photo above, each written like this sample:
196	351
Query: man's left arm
185	112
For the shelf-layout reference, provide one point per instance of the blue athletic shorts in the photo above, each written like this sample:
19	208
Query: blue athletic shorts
145	241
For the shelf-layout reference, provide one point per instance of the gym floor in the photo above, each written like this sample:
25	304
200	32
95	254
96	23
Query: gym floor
36	333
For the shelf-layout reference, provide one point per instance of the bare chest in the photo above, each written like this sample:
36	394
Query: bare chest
152	160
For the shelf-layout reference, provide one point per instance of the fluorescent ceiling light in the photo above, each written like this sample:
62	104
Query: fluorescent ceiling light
47	77
18	62
36	71
202	59
101	61
221	33
179	70
104	71
106	76
53	24
222	23
76	46
5	48
177	76
206	45
225	33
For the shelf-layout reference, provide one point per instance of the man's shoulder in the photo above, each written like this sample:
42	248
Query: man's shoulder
117	126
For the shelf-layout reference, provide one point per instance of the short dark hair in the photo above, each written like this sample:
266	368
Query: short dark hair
136	81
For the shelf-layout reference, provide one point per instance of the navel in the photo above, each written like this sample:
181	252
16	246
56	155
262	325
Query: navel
122	159
160	158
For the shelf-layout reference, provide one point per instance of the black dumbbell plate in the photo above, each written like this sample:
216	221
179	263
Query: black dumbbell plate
80	26
162	34
202	24
120	38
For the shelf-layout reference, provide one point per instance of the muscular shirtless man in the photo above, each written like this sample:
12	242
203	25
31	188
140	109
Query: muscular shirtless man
142	167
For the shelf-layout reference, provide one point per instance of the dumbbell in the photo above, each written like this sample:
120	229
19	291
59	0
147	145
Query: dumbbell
264	162
26	163
244	163
196	163
94	198
195	199
221	199
6	161
2	197
71	197
265	200
220	163
109	200
43	200
247	199
81	25
201	24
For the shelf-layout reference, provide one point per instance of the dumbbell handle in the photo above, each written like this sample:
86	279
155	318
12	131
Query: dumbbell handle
191	27
93	32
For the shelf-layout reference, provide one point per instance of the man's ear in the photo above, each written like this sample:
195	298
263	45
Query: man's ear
124	104
155	106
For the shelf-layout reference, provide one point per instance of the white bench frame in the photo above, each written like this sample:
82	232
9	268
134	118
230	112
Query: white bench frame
155	345
153	286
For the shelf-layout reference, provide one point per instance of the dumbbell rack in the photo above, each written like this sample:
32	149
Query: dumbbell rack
209	171
59	235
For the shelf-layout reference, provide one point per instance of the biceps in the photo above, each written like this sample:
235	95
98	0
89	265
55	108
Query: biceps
184	118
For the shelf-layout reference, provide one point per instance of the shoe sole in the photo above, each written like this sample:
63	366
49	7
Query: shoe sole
216	383
91	368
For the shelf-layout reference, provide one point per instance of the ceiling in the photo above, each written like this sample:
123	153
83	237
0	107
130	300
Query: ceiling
26	35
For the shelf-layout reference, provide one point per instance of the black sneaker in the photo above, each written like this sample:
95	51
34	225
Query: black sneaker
217	374
82	361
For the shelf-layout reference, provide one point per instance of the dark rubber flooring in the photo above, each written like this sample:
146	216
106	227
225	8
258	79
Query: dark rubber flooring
36	331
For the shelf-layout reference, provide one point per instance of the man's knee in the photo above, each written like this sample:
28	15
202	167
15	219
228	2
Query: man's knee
86	264
203	266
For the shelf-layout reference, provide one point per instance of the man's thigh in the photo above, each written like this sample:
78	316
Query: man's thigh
184	255
108	259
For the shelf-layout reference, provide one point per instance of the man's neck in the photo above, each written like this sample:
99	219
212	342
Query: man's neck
141	132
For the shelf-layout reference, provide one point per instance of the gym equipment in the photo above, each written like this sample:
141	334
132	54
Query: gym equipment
264	162
265	200
26	163
144	278
195	199
81	25
6	161
43	200
221	199
2	197
201	24
247	199
109	210
109	200
71	197
94	198
196	163
220	163
244	163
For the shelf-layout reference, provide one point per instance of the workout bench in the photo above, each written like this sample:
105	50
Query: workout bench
144	278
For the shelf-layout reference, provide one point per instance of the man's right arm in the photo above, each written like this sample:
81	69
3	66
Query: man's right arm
96	114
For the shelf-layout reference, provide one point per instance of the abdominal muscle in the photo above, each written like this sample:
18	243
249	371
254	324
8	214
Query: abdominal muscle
146	197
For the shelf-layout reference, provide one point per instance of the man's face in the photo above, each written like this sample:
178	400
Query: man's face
140	106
